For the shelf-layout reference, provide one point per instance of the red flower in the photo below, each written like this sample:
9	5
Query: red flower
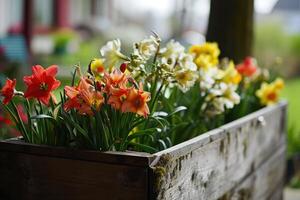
5	121
247	68
41	83
8	90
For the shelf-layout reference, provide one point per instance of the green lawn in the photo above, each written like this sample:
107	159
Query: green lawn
291	92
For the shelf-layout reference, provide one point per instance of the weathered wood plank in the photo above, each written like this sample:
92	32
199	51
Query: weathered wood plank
127	158
266	182
210	165
35	177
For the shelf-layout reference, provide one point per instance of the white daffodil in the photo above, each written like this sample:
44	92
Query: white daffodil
213	107
220	97
111	52
186	61
231	97
185	79
208	78
171	53
146	48
172	49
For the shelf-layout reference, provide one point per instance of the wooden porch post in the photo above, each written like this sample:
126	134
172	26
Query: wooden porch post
28	23
231	25
61	13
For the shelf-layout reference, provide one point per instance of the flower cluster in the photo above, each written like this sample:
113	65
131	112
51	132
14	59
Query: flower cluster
172	65
39	85
218	80
157	96
178	63
84	98
87	98
219	87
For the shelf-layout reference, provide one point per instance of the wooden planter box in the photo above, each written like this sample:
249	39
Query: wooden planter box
244	159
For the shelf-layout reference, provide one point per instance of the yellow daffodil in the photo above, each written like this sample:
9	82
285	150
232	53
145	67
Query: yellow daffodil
97	66
269	92
279	83
203	62
206	55
231	75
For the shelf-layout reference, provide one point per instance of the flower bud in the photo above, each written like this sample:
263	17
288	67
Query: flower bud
123	67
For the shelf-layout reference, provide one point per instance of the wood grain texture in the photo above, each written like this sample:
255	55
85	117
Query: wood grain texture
209	166
266	182
126	158
32	177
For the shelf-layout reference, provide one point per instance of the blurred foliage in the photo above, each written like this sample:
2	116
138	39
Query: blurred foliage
62	39
295	182
293	138
293	115
87	50
275	48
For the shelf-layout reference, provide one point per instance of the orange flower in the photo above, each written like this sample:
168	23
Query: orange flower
41	83
8	90
115	79
247	68
117	97
83	98
136	102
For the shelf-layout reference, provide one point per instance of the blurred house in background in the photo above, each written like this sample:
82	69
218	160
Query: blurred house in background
68	31
289	13
130	19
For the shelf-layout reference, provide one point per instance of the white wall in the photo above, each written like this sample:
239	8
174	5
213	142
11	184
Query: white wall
10	14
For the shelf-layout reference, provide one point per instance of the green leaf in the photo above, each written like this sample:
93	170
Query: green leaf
178	109
168	142
20	122
162	144
160	114
42	116
148	132
78	128
56	111
145	148
73	77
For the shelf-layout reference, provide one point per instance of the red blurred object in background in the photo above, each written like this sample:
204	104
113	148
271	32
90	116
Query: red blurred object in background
4	121
248	67
2	51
